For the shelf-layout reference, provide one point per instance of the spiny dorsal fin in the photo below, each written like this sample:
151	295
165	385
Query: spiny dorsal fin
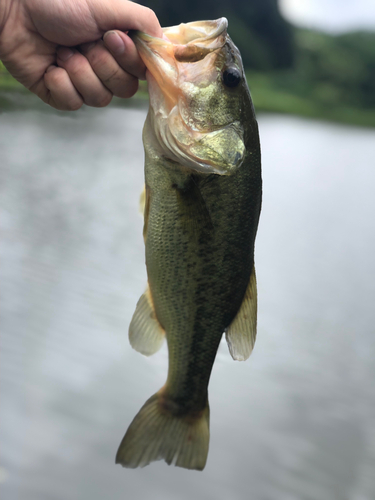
145	333
241	333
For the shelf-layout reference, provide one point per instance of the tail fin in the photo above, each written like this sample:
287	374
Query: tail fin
156	434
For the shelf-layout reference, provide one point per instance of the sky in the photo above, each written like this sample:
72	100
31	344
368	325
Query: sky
330	15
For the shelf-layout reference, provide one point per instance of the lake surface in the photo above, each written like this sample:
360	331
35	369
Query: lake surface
296	421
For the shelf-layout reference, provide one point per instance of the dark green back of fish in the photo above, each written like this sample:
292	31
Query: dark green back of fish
199	254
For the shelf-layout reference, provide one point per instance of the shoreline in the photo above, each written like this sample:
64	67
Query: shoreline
266	98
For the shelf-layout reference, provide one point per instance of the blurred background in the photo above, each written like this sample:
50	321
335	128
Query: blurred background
297	420
312	58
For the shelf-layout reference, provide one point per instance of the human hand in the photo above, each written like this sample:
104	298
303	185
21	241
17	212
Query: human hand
55	48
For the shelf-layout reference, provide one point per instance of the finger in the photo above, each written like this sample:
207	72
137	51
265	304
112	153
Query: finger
62	93
93	92
124	51
118	81
125	16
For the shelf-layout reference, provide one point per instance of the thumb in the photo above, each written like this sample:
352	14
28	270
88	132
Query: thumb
124	15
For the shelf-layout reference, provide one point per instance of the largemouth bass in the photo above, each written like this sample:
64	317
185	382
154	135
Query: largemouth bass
203	199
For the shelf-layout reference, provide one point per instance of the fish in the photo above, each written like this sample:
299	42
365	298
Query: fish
203	191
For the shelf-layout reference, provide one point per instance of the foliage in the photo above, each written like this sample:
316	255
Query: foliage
264	38
333	78
271	93
7	82
339	69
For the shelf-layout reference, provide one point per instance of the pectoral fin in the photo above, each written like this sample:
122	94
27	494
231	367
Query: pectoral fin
241	333
142	201
145	333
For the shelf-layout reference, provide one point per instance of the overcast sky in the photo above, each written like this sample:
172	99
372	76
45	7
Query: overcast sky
330	15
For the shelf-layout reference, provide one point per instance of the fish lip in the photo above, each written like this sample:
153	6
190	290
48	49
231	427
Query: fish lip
207	29
190	42
149	46
157	55
202	36
140	36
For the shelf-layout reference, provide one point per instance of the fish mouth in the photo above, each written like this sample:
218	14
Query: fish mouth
190	42
199	31
170	63
193	41
185	43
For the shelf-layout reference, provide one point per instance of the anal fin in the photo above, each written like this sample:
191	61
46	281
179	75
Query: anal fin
145	332
241	333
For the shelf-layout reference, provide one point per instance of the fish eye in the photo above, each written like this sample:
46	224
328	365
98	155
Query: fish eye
232	77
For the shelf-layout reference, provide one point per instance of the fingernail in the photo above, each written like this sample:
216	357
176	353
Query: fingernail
50	68
114	42
86	47
64	53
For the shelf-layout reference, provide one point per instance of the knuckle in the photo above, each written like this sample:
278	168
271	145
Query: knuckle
105	100
60	95
75	69
127	90
102	64
54	77
98	58
113	76
151	15
86	48
67	105
74	105
99	101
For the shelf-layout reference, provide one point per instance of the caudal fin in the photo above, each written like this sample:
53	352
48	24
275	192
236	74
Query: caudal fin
156	434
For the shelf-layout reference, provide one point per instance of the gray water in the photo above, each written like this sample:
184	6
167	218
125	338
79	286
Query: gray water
296	421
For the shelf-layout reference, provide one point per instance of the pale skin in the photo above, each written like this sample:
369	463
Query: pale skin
71	52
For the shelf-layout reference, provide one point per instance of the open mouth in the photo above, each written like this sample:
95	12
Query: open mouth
188	42
189	137
198	32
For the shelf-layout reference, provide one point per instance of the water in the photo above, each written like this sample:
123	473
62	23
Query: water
296	421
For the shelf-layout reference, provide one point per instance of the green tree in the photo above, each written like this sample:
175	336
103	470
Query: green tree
264	38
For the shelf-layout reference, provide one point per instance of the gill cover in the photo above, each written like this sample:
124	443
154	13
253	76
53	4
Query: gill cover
194	116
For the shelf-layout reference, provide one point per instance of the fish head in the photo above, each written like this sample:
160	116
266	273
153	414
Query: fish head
199	97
